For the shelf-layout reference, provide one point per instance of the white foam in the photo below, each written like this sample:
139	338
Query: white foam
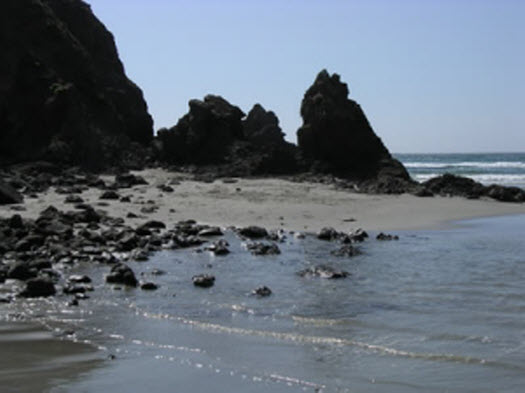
467	164
487	179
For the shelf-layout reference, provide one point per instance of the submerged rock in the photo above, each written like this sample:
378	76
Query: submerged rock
203	280
259	248
346	250
262	291
385	236
323	271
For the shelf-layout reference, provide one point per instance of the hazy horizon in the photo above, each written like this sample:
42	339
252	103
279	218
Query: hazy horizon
432	77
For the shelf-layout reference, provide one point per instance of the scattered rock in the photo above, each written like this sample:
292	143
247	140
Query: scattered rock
259	248
384	236
149	286
323	272
122	274
203	280
73	199
110	195
219	247
328	233
38	287
253	232
262	291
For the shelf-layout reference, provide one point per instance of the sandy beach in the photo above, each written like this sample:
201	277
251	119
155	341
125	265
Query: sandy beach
273	203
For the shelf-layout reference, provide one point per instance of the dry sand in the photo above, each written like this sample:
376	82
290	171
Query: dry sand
276	203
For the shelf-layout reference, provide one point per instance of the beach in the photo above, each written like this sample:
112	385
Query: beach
274	204
183	334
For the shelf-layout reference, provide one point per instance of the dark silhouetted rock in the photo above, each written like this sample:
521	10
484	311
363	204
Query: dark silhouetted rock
452	185
337	137
262	291
149	286
386	236
8	195
205	134
219	247
328	233
64	95
21	271
38	287
203	280
323	272
122	274
110	195
253	232
259	248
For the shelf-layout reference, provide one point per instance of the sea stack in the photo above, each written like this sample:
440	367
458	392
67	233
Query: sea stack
64	95
337	137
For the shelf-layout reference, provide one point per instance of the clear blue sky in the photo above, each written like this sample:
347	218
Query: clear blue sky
432	76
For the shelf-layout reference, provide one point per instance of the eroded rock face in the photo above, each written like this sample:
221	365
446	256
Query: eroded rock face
214	136
64	95
337	136
205	134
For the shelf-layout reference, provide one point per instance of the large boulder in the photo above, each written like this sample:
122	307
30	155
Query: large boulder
337	137
204	135
64	95
214	137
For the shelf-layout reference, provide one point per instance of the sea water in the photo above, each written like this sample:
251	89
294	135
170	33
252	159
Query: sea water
435	311
488	168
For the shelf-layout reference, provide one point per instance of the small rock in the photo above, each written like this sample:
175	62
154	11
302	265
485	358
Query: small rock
259	248
384	236
149	286
253	232
323	272
262	291
78	279
219	247
327	233
113	195
212	231
203	280
122	274
73	199
38	287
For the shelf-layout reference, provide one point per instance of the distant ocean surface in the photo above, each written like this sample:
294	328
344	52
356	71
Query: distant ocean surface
488	168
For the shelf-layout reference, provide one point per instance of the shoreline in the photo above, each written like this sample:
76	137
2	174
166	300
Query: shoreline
272	203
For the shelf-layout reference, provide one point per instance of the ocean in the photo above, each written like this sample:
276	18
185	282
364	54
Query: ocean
487	168
435	311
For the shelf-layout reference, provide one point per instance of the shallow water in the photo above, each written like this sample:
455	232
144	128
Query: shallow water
507	169
436	311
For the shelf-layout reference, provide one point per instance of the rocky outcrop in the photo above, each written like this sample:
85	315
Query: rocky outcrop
214	137
337	137
64	96
453	185
8	194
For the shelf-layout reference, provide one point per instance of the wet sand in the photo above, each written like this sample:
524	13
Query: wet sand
33	360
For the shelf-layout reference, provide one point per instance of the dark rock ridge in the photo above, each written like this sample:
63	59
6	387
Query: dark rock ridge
337	138
452	185
214	136
64	96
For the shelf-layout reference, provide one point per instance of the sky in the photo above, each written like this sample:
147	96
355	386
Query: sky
431	76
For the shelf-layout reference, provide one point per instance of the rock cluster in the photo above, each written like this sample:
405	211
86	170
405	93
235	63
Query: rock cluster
217	136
